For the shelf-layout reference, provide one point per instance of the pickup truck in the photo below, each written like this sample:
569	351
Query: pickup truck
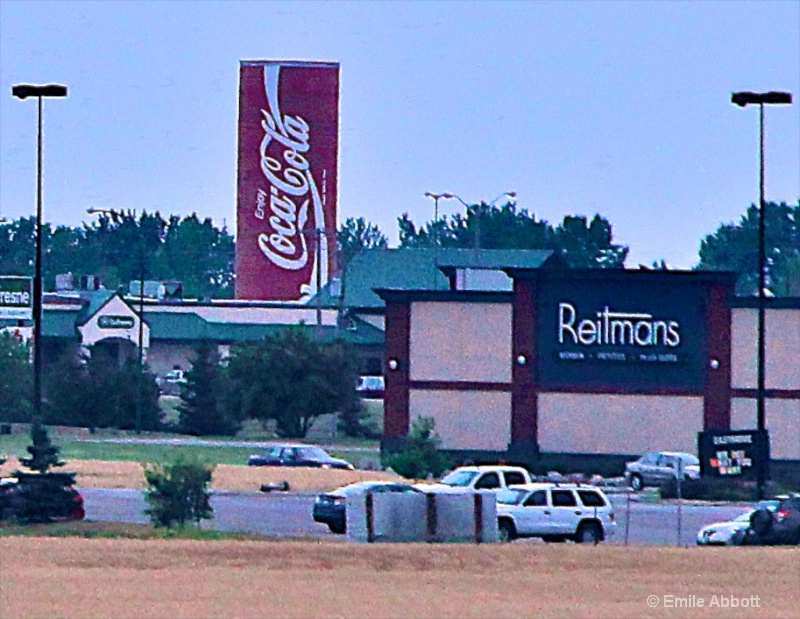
486	477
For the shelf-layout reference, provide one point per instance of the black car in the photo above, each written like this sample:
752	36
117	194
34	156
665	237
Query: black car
298	455
775	521
330	508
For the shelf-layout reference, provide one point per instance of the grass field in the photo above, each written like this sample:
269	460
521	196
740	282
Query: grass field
87	578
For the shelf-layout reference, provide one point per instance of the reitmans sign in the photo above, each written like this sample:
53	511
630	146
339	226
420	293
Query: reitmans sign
641	336
16	298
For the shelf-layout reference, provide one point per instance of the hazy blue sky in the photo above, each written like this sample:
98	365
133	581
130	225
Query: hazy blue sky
621	108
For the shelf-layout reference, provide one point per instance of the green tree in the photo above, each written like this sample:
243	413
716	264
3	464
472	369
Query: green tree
356	235
292	378
421	455
178	493
202	412
734	247
97	392
15	380
583	243
44	455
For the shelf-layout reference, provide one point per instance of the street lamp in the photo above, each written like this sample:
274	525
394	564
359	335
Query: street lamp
743	99
509	194
115	215
23	91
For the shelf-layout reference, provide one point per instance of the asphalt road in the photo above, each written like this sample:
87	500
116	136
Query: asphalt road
289	515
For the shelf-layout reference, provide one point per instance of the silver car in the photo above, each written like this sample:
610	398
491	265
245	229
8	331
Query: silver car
657	467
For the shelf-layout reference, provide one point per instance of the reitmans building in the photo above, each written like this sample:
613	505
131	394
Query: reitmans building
509	352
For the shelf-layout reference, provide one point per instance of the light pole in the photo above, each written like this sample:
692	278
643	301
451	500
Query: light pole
509	194
23	91
743	99
115	215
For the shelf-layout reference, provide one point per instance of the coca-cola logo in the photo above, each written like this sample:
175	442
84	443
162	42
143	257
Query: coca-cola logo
284	161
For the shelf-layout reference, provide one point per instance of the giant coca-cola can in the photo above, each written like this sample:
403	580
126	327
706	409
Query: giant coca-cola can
287	181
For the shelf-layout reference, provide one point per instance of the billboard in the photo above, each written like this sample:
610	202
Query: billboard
287	178
16	298
732	453
621	335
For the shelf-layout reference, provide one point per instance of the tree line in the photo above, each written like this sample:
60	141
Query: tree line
287	380
122	247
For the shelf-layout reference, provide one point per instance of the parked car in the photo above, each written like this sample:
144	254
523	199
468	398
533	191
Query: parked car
654	468
330	508
298	455
371	387
172	382
484	477
774	521
725	533
555	513
21	500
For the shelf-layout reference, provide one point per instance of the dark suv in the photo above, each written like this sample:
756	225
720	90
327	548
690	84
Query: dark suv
775	521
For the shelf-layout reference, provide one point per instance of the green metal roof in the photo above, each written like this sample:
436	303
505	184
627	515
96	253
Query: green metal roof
421	269
60	323
93	301
175	325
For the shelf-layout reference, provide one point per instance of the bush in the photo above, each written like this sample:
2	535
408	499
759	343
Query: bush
178	493
421	456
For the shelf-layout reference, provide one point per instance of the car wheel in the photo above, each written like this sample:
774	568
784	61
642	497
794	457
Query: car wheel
507	532
636	482
761	522
588	533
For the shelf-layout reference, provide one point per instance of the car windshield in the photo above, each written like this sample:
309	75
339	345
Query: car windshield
459	478
511	496
313	453
745	517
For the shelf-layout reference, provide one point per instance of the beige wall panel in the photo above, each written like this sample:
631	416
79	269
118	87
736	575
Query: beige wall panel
461	342
782	329
466	419
628	424
782	418
743	414
783	423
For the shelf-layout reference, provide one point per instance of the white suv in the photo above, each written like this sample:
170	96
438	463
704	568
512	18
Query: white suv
555	512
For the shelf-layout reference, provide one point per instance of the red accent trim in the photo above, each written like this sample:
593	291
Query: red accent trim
524	413
396	405
777	394
717	400
444	385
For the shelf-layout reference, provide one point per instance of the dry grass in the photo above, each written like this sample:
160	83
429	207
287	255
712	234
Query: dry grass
102	474
86	578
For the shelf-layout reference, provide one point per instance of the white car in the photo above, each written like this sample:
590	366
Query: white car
724	533
555	513
484	477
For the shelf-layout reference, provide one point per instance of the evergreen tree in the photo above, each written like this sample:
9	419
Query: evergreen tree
202	412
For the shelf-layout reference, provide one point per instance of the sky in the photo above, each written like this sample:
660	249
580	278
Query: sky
616	108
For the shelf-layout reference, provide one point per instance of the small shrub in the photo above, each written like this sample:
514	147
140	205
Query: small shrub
178	493
421	456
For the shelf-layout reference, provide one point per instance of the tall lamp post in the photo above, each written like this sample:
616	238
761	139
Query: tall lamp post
23	91
508	194
743	99
115	215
